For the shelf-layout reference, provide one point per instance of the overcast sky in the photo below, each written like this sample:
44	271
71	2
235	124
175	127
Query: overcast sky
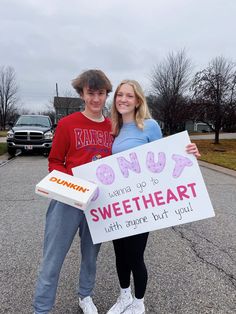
52	41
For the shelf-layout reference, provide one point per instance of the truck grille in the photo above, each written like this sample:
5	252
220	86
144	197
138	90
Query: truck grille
28	135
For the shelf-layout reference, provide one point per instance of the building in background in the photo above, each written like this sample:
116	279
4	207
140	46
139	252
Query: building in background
197	126
66	105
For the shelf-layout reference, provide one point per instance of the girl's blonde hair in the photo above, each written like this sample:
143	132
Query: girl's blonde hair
141	111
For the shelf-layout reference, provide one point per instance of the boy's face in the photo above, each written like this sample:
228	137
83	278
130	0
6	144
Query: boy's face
94	99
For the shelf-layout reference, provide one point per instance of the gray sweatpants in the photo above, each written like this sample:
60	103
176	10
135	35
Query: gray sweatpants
62	223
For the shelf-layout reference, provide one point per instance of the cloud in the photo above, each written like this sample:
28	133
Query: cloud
49	42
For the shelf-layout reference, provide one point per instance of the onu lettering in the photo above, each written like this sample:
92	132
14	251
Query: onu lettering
106	175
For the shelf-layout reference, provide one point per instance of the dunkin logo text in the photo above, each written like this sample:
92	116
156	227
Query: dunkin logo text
70	185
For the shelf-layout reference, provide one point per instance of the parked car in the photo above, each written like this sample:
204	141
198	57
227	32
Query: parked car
30	133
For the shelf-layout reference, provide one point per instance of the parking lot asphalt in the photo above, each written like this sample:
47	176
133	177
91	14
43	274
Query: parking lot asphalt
192	267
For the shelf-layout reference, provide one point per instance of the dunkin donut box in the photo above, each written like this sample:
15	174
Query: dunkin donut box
66	189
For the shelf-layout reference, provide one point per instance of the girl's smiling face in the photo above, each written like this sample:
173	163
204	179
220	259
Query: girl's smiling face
126	102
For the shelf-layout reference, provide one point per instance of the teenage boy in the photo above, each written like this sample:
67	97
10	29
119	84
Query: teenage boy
79	138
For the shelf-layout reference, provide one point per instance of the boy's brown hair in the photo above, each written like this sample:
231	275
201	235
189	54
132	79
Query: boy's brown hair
92	79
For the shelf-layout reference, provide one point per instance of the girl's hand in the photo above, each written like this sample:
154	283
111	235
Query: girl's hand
192	149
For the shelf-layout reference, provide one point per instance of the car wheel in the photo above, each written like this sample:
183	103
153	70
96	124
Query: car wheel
46	152
11	151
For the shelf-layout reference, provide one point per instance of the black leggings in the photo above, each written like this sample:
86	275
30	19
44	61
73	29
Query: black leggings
130	258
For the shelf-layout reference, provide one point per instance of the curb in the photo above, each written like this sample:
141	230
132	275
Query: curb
4	157
217	168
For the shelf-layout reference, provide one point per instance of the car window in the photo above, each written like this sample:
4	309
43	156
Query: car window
33	121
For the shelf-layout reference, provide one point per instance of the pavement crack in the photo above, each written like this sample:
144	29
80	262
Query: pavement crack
214	244
193	246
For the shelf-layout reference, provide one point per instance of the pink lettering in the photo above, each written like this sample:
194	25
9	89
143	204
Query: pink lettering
191	185
106	139
170	196
100	138
117	209
135	199
93	213
105	212
159	198
78	138
86	138
180	163
126	206
105	174
93	136
181	189
158	166
148	200
126	165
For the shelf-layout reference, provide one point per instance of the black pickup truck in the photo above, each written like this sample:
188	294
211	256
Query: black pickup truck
30	133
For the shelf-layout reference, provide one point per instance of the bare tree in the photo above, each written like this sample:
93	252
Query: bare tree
170	80
215	93
8	94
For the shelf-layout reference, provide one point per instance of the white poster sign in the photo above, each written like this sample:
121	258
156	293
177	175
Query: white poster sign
153	186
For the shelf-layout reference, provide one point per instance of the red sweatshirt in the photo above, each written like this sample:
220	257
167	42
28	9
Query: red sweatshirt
77	141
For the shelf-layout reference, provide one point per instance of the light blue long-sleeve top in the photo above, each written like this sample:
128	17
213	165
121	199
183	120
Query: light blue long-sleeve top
131	136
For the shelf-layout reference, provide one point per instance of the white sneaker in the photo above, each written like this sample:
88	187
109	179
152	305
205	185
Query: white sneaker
121	304
135	308
88	306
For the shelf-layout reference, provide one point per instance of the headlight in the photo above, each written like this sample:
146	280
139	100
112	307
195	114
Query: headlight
10	134
48	135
